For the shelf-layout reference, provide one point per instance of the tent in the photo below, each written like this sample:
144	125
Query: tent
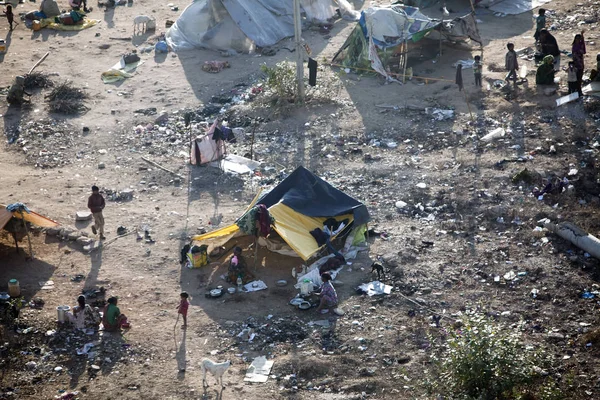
243	25
383	32
14	216
299	204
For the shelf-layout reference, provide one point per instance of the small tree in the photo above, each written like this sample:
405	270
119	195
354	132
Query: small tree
482	360
281	80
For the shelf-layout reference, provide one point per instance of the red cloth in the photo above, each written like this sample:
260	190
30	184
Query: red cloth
183	307
264	220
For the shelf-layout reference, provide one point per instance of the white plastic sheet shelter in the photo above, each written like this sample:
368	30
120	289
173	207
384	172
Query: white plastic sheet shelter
242	25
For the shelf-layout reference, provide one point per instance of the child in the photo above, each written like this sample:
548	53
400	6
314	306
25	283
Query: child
511	63
477	70
182	308
9	15
594	75
540	23
572	78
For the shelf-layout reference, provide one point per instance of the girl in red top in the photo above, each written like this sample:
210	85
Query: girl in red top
182	308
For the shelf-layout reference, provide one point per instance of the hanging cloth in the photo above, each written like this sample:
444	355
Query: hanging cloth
312	72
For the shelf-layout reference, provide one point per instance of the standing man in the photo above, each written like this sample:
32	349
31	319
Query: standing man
96	205
511	63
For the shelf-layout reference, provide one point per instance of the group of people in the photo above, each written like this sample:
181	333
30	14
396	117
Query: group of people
85	317
549	53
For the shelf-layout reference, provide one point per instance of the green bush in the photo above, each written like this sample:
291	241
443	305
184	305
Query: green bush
482	360
281	80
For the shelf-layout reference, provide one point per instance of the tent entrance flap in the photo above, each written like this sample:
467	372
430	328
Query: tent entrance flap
295	228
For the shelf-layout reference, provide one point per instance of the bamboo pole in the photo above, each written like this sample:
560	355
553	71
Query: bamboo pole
299	58
28	237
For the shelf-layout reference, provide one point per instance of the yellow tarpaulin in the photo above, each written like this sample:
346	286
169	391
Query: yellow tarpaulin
87	23
295	228
33	218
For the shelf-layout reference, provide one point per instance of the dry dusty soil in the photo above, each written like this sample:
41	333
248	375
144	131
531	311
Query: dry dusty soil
447	215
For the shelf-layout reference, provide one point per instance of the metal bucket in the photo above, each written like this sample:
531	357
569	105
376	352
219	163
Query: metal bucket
62	313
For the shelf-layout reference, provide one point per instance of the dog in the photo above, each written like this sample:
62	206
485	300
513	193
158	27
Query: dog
377	266
216	369
143	23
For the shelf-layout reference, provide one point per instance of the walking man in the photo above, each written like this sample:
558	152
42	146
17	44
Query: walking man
96	205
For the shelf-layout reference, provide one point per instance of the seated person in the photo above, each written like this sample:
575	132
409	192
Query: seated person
545	72
594	75
84	316
238	267
328	294
48	9
112	319
77	5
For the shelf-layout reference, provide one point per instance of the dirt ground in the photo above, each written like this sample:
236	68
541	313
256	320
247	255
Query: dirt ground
480	222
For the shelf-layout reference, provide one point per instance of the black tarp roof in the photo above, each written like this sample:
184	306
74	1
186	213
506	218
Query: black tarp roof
306	193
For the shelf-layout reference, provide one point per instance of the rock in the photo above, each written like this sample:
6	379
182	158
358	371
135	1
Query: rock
162	118
86	129
101	165
126	194
102	151
390	260
31	365
84	241
458	324
426	290
53	231
83	216
404	359
555	336
401	205
73	236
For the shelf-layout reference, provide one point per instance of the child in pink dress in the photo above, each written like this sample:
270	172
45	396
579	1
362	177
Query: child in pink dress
182	308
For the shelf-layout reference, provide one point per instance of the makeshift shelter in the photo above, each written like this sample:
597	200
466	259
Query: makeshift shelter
243	25
301	203
13	218
383	33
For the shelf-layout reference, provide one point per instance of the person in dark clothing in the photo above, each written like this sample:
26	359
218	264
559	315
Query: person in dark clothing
549	46
578	51
545	72
96	205
10	17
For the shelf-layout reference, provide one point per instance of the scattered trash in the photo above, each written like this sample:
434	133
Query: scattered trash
588	295
375	288
259	370
493	135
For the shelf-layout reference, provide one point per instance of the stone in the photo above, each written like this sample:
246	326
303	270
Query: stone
84	241
73	236
405	359
390	260
101	165
83	216
555	336
426	290
53	231
400	204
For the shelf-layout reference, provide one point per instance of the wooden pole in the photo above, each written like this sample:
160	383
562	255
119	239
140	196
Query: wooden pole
28	237
299	57
405	56
157	165
38	63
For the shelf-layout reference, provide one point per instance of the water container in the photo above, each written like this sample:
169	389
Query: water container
62	313
2	46
239	283
306	286
14	290
36	25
